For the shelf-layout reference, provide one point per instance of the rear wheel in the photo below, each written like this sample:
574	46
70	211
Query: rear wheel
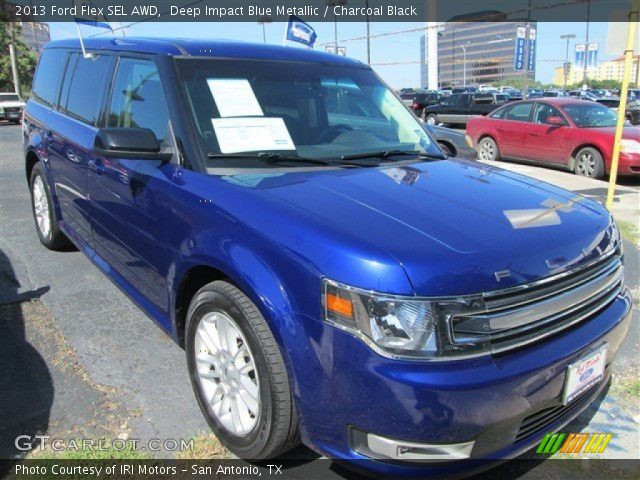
238	373
431	119
589	163
488	149
43	212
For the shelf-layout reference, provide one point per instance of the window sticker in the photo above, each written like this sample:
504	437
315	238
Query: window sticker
234	97
252	134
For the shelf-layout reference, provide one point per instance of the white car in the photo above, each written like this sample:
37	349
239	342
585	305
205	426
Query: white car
11	106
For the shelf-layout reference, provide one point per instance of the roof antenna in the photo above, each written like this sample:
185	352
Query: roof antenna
93	23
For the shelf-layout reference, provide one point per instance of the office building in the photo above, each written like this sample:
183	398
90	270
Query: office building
480	53
607	70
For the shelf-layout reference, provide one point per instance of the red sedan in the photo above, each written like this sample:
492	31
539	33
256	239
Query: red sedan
575	134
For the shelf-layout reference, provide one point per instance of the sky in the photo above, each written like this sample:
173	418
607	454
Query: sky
402	48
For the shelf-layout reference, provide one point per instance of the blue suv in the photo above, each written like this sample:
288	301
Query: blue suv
333	277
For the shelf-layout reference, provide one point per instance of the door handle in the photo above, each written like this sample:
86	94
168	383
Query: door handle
534	134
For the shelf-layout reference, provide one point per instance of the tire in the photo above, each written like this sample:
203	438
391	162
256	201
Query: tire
265	425
589	163
43	212
431	119
488	150
446	149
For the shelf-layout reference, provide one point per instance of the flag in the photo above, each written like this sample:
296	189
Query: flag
83	6
301	32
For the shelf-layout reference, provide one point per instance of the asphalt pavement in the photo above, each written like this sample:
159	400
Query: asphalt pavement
100	368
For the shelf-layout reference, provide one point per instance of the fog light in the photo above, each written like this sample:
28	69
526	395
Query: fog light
383	448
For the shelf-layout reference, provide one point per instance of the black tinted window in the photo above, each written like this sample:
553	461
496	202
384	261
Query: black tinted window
86	87
544	111
138	101
45	85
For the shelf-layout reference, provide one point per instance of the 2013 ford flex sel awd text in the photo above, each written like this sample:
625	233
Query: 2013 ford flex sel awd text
332	276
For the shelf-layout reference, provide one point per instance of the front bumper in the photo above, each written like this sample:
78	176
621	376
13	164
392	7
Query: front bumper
342	385
629	164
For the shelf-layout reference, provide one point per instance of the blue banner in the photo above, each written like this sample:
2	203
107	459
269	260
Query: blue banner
580	56
592	55
301	32
518	58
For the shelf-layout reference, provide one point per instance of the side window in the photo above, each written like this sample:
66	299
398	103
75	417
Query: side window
519	112
544	111
45	85
138	100
85	88
499	113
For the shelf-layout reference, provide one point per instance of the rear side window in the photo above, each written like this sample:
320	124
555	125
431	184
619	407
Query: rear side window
45	85
138	100
85	87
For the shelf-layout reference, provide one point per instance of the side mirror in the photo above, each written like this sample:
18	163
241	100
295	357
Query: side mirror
135	143
555	120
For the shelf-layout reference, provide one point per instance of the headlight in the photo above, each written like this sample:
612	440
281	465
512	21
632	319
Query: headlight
396	325
629	146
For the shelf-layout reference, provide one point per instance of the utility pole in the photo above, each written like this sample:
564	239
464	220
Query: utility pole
366	6
568	37
586	44
14	62
263	21
527	33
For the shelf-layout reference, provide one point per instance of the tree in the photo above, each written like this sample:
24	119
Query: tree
26	58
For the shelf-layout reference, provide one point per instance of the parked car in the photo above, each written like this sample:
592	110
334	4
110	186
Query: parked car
11	106
422	100
571	133
333	278
500	98
514	95
452	142
487	88
459	108
554	93
466	89
407	98
633	111
612	102
446	91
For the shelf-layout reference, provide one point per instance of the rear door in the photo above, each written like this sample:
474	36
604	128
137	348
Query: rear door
544	142
129	197
72	135
512	129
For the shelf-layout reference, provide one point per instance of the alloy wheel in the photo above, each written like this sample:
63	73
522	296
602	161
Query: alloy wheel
227	373
487	151
41	207
586	165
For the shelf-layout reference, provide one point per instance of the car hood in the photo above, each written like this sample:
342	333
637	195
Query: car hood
451	225
630	132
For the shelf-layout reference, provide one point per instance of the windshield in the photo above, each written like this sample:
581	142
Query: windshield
591	115
9	97
310	110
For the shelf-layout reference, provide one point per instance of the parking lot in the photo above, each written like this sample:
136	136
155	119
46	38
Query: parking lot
100	368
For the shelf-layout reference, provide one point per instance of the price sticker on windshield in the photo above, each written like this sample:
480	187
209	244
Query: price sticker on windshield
234	97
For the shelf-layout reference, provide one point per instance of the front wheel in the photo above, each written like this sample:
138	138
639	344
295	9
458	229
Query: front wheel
589	163
238	373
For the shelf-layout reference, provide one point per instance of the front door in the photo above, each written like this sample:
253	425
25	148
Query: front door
547	143
512	130
129	197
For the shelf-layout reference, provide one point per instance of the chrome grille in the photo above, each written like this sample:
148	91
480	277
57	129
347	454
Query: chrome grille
515	317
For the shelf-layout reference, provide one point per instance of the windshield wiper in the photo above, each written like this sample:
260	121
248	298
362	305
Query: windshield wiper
390	153
270	157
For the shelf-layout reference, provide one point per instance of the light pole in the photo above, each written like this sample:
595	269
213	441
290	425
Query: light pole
464	65
334	3
586	44
568	37
263	21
